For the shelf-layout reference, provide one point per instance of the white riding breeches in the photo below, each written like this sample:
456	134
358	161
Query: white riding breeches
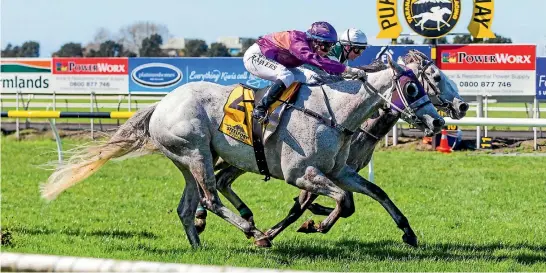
260	66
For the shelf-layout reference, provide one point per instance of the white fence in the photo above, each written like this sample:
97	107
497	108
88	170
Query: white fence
17	262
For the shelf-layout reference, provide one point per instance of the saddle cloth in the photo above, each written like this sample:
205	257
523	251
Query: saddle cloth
237	121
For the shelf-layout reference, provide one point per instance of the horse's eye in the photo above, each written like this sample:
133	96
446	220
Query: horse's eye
437	78
412	90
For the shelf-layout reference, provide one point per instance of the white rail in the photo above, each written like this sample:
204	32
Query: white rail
17	262
514	122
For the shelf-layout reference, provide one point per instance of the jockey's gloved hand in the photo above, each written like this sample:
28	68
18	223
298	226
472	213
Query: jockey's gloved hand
355	73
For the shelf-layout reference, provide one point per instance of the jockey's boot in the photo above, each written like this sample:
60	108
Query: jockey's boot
272	93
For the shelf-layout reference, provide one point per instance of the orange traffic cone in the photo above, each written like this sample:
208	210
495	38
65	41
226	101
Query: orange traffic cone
444	146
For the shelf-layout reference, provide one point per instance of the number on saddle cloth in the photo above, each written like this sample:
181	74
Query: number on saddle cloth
239	124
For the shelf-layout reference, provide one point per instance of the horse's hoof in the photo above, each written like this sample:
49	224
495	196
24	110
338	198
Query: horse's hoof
410	239
263	242
308	227
200	225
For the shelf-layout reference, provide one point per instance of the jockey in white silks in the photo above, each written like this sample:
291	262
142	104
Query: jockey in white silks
274	55
352	43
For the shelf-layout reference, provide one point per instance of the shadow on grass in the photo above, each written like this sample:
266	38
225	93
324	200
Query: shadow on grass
115	233
352	250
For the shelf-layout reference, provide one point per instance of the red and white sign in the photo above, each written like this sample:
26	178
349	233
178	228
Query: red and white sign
490	69
86	75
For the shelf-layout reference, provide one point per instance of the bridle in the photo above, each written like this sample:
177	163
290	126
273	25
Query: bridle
437	100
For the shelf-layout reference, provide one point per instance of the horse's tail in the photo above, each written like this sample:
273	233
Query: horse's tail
418	15
131	137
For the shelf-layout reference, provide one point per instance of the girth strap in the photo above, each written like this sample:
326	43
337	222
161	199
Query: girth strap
259	152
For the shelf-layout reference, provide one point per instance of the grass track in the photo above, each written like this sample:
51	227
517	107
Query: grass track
471	213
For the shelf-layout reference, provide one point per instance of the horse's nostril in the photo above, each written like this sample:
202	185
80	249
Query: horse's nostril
463	107
438	123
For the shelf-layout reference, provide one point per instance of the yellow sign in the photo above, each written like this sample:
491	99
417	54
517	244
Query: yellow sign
433	18
486	143
482	19
387	18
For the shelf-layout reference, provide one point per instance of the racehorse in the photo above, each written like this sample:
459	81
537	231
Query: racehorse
306	152
442	91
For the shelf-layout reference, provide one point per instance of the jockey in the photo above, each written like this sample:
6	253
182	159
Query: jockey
352	42
272	56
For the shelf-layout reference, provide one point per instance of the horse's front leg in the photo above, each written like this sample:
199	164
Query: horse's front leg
350	180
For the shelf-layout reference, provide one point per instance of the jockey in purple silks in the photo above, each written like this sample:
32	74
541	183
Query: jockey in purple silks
273	55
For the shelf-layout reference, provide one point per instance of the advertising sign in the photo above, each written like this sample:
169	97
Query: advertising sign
155	74
26	75
86	75
433	18
162	75
394	51
541	78
490	69
224	71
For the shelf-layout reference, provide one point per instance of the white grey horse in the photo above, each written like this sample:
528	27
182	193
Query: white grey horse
304	151
440	89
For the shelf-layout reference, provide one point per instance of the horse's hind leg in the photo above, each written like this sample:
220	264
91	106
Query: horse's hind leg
188	204
317	183
196	157
301	202
224	178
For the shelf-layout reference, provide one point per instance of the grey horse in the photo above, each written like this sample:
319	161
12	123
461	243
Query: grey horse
440	89
304	151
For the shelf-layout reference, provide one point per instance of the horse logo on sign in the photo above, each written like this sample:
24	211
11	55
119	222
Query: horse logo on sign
432	18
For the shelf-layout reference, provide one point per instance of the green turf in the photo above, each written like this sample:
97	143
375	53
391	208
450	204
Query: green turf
471	212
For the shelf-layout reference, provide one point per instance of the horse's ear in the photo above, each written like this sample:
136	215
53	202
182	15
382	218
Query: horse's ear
421	54
394	65
400	60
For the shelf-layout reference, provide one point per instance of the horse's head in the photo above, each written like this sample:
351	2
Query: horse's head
442	91
445	10
411	101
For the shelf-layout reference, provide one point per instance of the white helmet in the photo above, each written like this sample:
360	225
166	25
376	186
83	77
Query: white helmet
353	37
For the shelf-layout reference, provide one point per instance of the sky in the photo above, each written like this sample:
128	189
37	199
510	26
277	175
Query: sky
55	22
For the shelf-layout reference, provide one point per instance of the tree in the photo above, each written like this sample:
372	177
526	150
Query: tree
498	40
70	50
463	39
9	51
108	48
441	41
195	48
467	39
29	49
406	41
151	46
132	36
102	35
218	50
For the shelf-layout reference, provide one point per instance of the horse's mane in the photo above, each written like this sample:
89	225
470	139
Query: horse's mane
328	79
375	66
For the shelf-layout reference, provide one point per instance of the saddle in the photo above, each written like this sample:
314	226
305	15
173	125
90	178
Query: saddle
239	124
